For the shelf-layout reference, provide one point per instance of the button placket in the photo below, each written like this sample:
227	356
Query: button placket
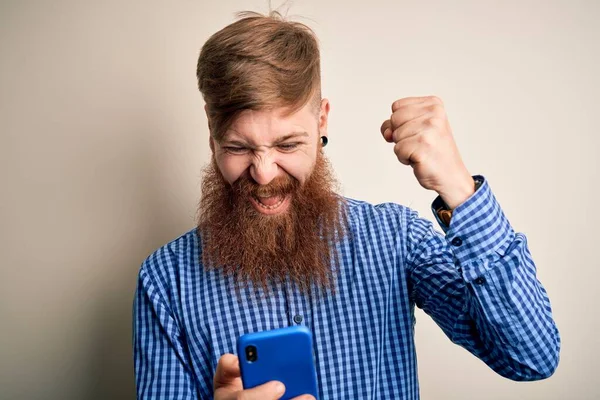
295	313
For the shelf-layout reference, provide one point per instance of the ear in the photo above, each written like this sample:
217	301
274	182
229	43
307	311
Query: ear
323	117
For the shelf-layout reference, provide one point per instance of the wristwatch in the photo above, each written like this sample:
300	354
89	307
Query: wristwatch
445	213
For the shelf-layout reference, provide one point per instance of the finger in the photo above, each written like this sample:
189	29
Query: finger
415	100
304	397
408	113
386	130
268	391
409	129
228	370
405	150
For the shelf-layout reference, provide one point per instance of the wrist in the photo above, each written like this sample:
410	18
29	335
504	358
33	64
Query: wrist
458	193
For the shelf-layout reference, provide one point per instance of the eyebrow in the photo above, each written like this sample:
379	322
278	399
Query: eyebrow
291	136
276	142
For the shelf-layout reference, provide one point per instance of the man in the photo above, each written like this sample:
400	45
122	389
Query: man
275	246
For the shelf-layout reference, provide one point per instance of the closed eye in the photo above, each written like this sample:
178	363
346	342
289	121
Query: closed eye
235	149
287	146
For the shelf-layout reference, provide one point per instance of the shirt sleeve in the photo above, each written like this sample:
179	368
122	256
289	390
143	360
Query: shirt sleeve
479	284
161	368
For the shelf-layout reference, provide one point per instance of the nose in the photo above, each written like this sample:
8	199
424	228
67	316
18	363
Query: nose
263	170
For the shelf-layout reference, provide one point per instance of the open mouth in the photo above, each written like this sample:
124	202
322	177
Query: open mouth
270	205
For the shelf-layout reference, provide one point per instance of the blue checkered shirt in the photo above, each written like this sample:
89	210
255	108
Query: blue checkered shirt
478	282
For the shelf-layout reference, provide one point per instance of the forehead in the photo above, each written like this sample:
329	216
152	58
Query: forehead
260	125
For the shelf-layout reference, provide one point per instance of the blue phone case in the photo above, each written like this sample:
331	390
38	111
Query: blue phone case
284	355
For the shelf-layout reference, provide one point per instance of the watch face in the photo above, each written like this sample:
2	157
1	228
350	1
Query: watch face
445	216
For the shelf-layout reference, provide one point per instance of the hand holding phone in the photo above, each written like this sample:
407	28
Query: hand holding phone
284	355
228	386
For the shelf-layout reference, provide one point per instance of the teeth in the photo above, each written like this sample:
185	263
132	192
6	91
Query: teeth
274	206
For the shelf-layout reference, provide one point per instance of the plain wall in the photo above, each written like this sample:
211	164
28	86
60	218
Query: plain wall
103	140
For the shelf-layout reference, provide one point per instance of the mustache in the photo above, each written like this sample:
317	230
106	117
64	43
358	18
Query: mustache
280	186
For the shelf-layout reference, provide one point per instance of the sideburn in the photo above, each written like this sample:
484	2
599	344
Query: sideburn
299	245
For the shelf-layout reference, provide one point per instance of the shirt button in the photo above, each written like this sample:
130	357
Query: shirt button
297	318
480	280
456	241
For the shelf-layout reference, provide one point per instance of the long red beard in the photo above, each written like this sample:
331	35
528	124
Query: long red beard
298	245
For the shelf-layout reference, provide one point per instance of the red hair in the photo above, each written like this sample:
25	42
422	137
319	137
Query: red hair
259	63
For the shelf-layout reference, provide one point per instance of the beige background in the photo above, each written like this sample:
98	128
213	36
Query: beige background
103	138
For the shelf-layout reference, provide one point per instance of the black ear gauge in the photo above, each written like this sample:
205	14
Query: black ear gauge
324	141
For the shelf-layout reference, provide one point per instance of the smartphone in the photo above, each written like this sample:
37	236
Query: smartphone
284	355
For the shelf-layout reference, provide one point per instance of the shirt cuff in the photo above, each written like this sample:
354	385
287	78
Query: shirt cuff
478	230
440	209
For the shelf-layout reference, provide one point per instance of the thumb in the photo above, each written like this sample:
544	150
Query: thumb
386	131
268	391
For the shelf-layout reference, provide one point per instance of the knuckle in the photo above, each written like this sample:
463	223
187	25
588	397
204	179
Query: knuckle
396	104
426	139
434	122
436	100
436	108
